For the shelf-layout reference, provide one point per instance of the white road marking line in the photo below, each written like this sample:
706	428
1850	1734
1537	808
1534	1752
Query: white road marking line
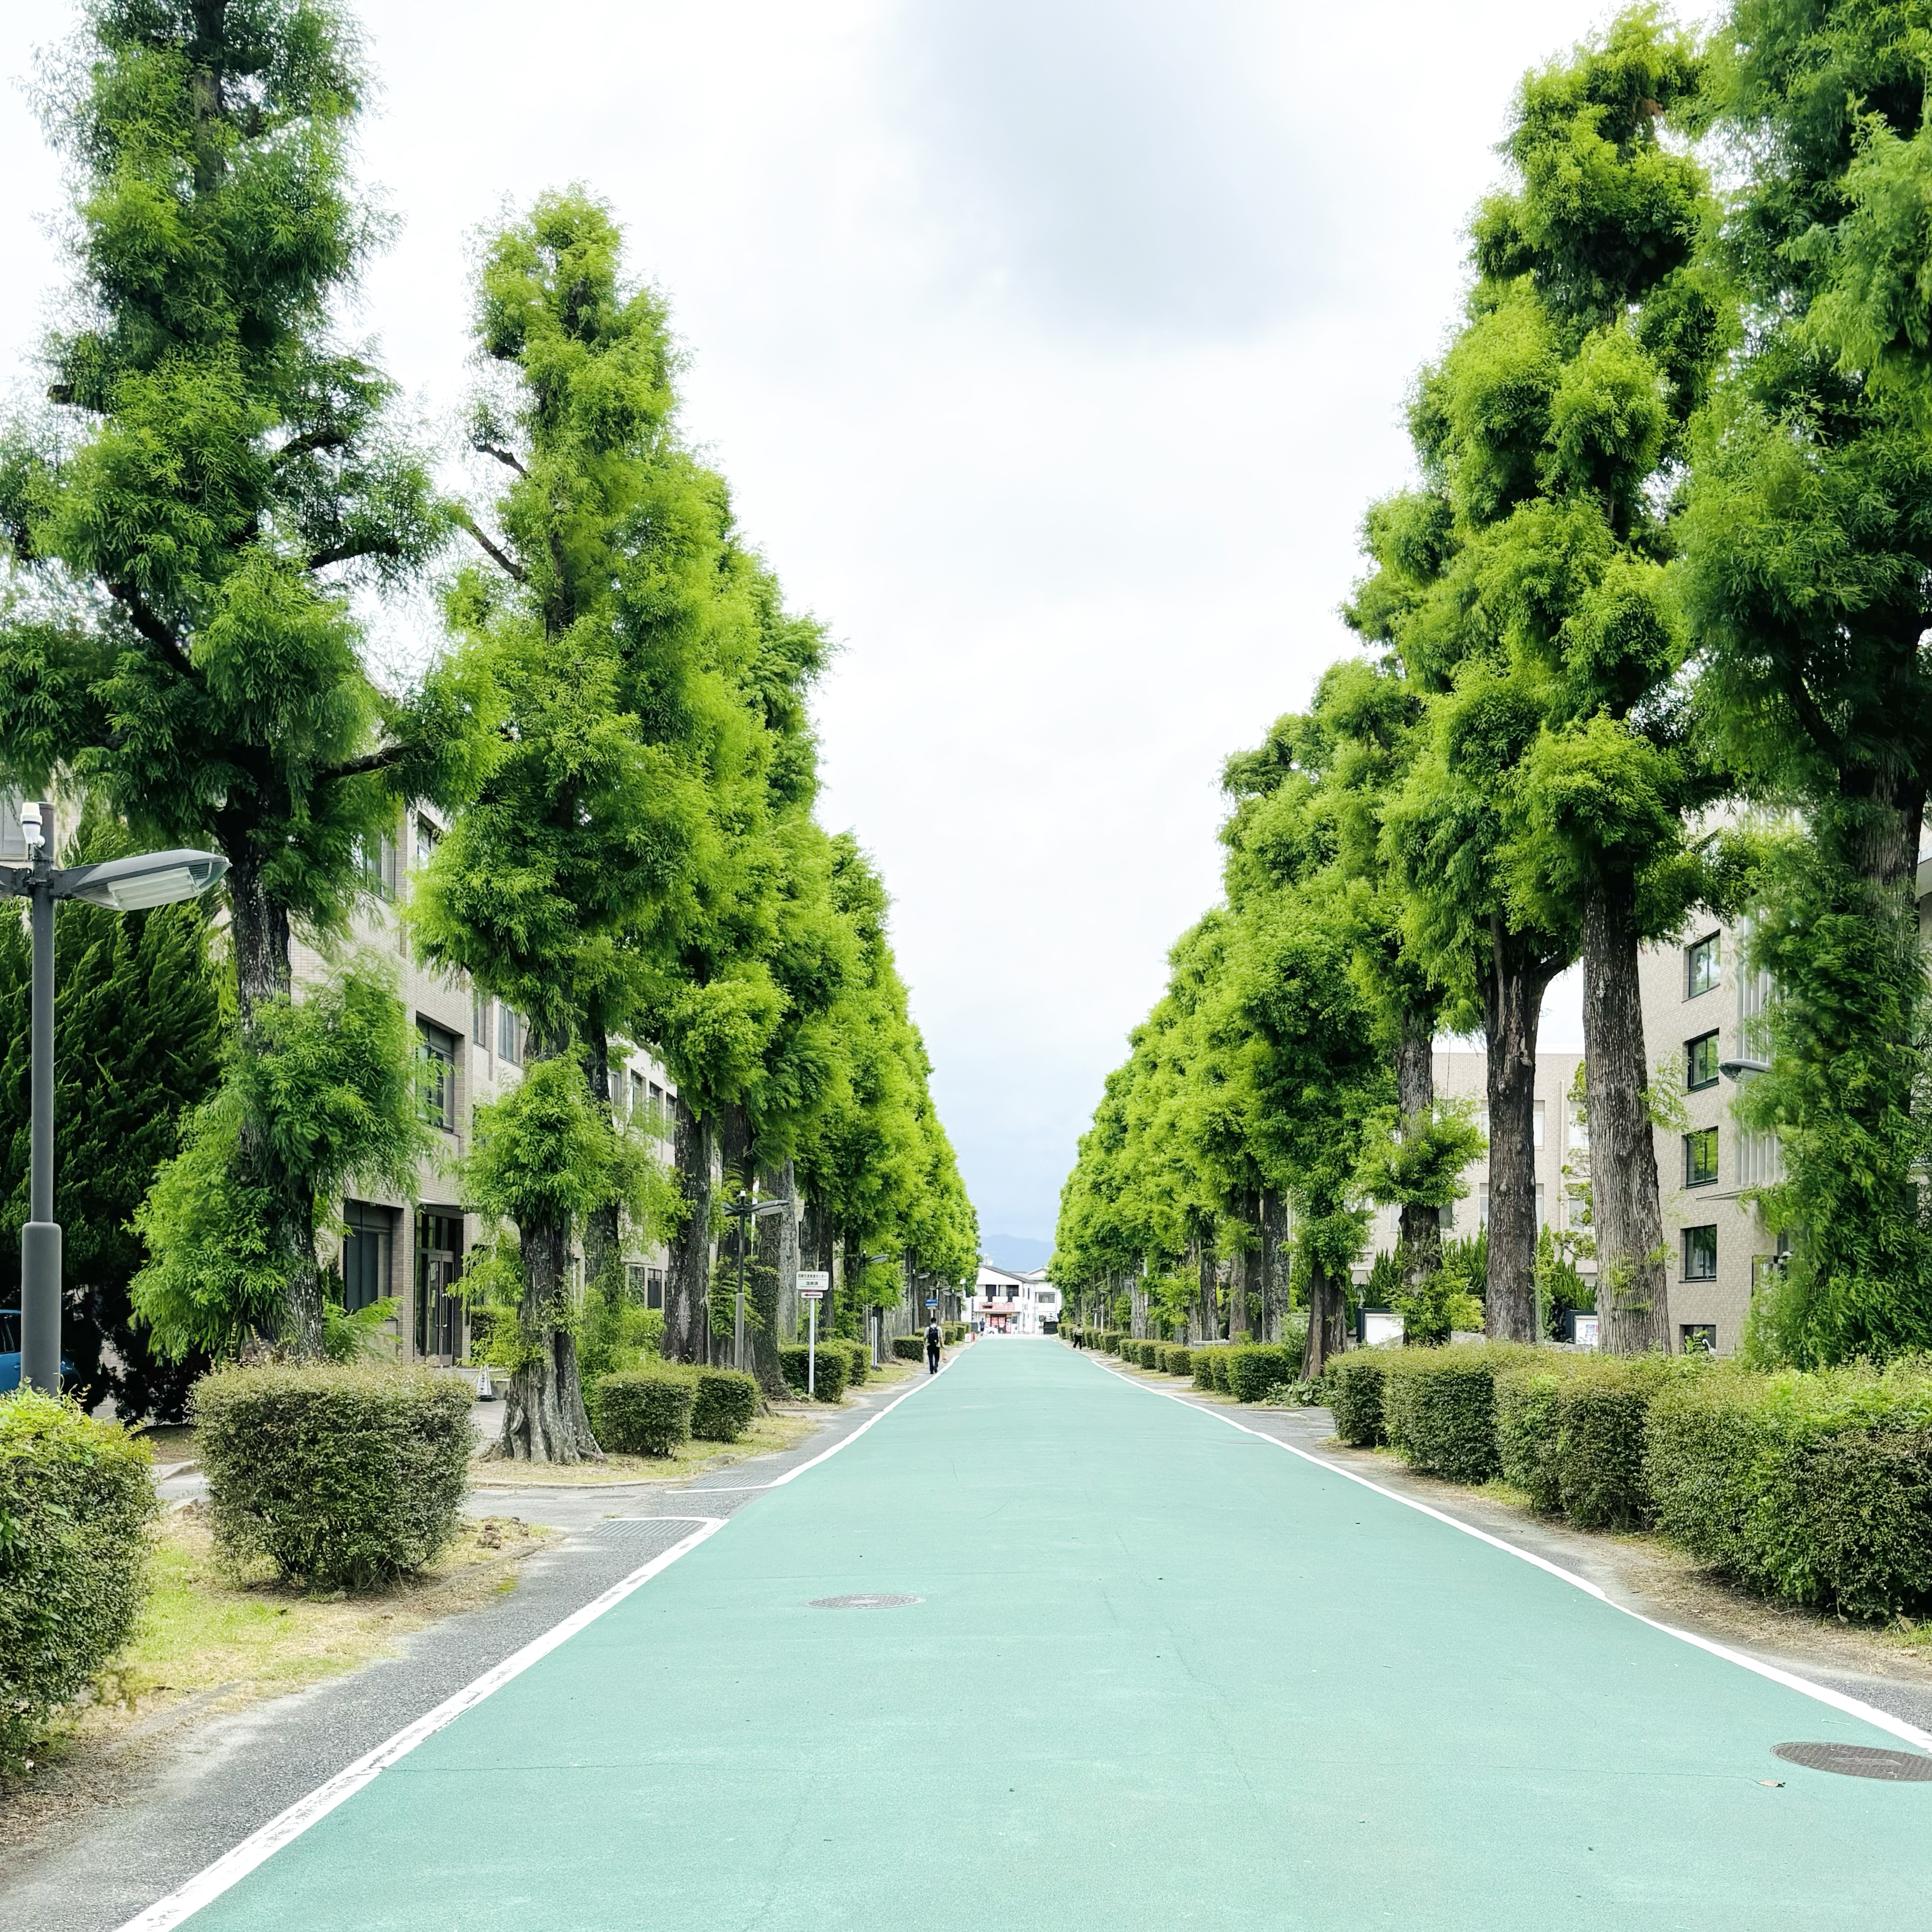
1853	1707
234	1866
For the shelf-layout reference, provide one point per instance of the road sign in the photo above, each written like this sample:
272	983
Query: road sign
930	1303
812	1282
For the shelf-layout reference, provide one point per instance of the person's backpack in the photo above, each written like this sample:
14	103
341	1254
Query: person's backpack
932	1335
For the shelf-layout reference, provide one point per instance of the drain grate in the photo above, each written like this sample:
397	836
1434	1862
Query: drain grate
862	1603
1859	1761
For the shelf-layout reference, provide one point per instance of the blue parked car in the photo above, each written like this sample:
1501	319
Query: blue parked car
9	1349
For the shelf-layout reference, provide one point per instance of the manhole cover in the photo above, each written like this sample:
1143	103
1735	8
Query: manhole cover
863	1603
1859	1761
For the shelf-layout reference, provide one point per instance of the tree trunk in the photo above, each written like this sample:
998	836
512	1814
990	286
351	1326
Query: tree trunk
1274	1265
1421	1225
1327	1310
1512	1009
543	1420
687	1336
259	941
1633	1293
734	1245
1241	1272
1208	1315
774	1300
603	1247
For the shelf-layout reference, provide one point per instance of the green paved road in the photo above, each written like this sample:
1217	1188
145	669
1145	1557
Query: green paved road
1164	1674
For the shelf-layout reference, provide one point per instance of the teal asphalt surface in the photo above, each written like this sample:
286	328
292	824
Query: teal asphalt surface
1162	1673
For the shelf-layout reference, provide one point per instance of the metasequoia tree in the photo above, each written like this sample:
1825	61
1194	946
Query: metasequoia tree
213	475
1808	575
578	845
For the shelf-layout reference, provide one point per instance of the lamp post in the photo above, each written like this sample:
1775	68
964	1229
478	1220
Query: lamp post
745	1210
877	1323
128	885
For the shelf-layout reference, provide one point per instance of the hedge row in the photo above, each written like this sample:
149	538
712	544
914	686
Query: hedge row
76	1498
1816	1487
643	1411
829	1372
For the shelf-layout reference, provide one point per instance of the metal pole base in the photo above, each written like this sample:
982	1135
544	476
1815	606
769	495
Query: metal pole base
40	1306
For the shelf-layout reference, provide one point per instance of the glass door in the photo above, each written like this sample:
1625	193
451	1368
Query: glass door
439	1310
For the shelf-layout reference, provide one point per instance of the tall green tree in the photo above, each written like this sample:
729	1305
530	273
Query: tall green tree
553	886
215	474
1808	575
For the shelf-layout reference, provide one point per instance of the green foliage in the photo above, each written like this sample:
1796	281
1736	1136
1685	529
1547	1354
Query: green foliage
858	1358
1438	1407
1253	1369
1816	1487
343	1477
1419	1159
644	1411
727	1400
324	1090
136	1044
1210	1368
1355	1397
909	1348
1178	1360
831	1367
76	1498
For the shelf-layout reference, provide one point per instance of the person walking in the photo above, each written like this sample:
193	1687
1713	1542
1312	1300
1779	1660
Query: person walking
932	1341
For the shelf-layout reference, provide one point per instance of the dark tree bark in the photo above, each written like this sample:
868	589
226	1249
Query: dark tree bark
1327	1310
1137	1321
1633	1293
1208	1313
734	1244
259	941
1274	1265
771	1291
603	1250
1421	1224
687	1335
1512	1010
1241	1272
543	1420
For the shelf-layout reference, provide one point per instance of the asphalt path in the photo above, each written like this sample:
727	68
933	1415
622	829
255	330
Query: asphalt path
1155	1670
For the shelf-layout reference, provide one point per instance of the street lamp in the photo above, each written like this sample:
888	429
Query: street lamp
126	885
744	1210
877	1323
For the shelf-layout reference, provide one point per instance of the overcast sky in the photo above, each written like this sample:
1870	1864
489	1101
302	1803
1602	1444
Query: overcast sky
1053	348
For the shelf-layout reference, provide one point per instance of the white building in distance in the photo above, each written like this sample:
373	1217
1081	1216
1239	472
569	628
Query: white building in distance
1002	1303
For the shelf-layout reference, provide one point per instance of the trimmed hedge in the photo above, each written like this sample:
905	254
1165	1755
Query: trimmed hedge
727	1399
1211	1367
952	1333
345	1477
909	1348
76	1498
1355	1397
1253	1368
1439	1407
858	1356
644	1411
1816	1487
1180	1360
829	1372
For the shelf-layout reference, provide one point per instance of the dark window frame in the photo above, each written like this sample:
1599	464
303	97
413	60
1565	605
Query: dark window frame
1706	1332
1709	1228
1713	940
1697	1140
1692	1083
436	1051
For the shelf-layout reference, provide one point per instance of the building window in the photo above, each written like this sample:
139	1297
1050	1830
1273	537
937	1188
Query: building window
637	1092
1700	1061
654	1288
1700	1253
509	1034
634	1280
439	1322
1698	1338
368	1254
1700	1157
1579	1127
1482	1204
1703	967
1536	1126
479	1019
428	837
377	859
436	1049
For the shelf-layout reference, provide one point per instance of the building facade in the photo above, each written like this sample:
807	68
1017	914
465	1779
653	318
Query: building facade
1002	1303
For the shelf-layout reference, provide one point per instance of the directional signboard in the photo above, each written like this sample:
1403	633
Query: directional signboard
813	1283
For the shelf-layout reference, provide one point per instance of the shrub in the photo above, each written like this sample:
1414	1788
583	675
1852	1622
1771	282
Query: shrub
76	1498
1439	1407
644	1411
1253	1368
1180	1360
909	1348
1355	1397
1817	1487
1601	1410
1526	1429
1209	1366
952	1333
858	1358
833	1364
343	1477
727	1399
1153	1355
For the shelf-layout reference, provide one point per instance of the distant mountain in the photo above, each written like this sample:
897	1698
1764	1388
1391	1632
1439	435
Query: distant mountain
1018	1254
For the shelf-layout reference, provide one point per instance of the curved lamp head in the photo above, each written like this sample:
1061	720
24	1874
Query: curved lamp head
135	885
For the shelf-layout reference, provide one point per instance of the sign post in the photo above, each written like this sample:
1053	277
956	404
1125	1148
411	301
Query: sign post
813	1284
